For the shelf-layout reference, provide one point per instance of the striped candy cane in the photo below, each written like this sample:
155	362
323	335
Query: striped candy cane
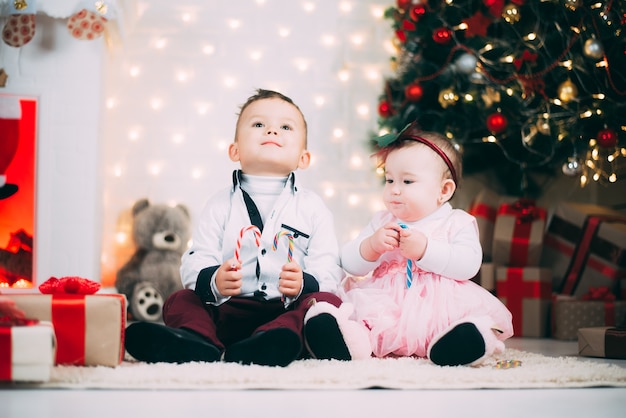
257	239
409	264
290	238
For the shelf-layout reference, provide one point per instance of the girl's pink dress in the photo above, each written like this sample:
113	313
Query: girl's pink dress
403	321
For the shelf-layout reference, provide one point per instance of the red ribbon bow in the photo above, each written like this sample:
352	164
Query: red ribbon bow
69	285
599	293
525	211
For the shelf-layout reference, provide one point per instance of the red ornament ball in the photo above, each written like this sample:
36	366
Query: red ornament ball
413	92
497	123
384	109
417	12
442	36
607	138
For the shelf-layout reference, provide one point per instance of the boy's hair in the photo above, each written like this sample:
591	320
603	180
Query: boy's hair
262	94
406	139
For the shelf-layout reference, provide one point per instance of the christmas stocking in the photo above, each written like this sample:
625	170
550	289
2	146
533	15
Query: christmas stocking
10	114
90	20
20	26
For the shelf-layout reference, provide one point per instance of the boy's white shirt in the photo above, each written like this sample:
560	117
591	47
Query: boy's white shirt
225	213
453	248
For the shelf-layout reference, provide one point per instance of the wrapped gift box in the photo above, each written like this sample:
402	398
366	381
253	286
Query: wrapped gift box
484	207
518	234
26	352
486	277
608	342
526	292
585	246
89	329
570	314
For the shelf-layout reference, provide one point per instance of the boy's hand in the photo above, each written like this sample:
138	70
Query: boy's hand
412	244
386	238
290	280
228	278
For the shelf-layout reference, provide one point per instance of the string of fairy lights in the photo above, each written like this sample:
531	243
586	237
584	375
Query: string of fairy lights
332	67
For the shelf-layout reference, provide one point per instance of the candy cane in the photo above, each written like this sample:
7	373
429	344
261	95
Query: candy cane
257	239
290	237
409	265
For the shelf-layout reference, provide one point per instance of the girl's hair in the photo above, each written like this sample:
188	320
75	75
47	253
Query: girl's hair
411	136
262	94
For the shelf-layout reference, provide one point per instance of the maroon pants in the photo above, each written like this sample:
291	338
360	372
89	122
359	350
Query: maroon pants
238	318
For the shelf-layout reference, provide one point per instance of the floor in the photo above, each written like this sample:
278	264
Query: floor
571	403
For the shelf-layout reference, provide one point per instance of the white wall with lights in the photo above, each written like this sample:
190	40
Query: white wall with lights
173	86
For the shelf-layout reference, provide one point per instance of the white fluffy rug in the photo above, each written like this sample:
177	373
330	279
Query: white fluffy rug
535	371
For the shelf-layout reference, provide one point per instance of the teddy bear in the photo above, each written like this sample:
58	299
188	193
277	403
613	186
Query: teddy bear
161	234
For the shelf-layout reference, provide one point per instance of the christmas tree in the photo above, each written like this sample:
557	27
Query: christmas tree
527	89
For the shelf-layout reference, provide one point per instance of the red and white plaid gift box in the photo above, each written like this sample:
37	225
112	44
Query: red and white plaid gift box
585	246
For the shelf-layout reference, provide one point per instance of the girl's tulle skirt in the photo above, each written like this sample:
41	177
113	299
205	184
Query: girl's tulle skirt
403	321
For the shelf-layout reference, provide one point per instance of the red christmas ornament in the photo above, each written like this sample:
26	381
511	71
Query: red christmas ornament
384	109
417	12
442	36
497	123
403	4
413	92
408	25
607	138
401	35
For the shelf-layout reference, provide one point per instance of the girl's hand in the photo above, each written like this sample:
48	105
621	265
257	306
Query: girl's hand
412	244
386	238
291	280
228	278
8	308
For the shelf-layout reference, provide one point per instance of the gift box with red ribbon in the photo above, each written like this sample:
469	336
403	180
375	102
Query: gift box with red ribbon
607	342
526	292
27	349
585	246
597	308
89	329
484	208
518	234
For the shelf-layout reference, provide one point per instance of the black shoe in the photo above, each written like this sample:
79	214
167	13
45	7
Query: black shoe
156	343
276	347
324	339
462	345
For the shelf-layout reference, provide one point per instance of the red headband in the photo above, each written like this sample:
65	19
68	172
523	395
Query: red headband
438	151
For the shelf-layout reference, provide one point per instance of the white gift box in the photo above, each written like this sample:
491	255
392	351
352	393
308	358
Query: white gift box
27	352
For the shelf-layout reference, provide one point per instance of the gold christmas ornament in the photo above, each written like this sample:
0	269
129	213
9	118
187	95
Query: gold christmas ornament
447	97
490	96
543	125
573	4
567	91
20	4
511	14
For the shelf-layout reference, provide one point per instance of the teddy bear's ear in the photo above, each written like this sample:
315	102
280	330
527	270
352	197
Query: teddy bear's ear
140	205
184	209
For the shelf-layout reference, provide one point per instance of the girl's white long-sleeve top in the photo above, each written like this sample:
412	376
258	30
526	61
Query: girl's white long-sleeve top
453	248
